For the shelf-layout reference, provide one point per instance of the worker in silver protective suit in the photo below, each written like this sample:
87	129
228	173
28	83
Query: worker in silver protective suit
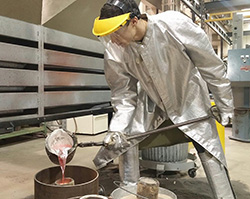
160	69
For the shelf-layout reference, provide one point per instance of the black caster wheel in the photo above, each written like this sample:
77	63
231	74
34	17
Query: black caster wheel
192	172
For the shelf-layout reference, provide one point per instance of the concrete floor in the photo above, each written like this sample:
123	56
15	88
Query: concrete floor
21	158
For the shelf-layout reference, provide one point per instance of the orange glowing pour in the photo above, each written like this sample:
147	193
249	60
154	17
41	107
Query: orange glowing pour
59	142
62	153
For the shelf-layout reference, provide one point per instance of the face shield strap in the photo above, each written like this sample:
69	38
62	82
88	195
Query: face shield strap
122	6
118	4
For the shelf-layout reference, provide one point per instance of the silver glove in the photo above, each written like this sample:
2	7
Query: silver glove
226	118
115	141
223	118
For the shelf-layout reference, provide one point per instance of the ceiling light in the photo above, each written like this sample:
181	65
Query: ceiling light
245	9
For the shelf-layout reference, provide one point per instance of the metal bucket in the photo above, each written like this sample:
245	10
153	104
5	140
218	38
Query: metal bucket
241	125
120	193
93	197
86	182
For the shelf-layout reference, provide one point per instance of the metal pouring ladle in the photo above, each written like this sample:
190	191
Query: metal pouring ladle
214	114
71	152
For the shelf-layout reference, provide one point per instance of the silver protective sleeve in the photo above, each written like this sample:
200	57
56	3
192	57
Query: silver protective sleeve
210	66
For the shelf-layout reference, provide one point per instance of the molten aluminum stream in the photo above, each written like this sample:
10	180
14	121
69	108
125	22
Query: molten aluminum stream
59	143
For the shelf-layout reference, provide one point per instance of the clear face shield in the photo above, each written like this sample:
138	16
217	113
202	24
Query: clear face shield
112	47
105	40
117	38
112	30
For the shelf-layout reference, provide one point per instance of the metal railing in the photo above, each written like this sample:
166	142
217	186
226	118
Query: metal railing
213	24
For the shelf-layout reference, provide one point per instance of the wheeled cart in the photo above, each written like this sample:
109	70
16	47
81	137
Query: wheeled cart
172	158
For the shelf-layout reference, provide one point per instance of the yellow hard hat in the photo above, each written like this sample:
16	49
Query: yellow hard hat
103	27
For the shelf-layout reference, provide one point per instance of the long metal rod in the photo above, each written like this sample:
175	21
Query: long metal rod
168	127
147	133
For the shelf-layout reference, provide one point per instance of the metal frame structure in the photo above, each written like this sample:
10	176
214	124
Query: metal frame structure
225	5
48	75
213	24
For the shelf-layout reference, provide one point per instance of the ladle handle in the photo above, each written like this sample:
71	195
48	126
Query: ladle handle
155	131
89	144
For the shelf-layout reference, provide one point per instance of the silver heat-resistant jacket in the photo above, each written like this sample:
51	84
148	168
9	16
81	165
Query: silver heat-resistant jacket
167	75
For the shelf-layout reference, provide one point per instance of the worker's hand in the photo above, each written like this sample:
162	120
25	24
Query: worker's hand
223	118
115	141
226	118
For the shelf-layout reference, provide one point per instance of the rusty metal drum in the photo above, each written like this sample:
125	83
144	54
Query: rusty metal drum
86	182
